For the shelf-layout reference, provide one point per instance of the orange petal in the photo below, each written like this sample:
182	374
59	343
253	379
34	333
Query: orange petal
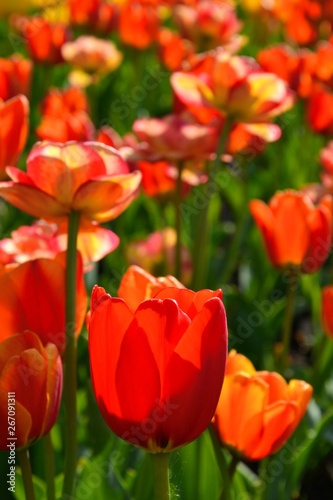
33	201
104	199
263	216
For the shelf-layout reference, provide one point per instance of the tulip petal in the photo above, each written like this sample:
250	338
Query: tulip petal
35	291
106	198
108	324
279	421
198	362
60	169
14	129
291	234
238	363
133	286
23	372
263	216
239	415
320	225
15	344
23	422
34	202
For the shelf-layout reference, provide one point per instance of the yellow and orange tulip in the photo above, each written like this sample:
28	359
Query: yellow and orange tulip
89	178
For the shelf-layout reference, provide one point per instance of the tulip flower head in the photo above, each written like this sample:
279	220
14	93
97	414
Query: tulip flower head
258	411
32	375
294	230
88	177
151	368
14	126
46	240
65	116
15	76
233	86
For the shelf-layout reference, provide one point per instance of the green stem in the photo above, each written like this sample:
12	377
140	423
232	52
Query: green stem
261	492
288	319
232	467
201	243
178	200
24	460
70	377
322	364
160	463
49	467
233	254
222	464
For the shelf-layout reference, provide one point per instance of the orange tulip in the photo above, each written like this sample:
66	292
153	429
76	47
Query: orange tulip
32	297
65	117
327	310
15	77
33	374
45	240
14	126
295	232
154	401
258	411
138	285
89	178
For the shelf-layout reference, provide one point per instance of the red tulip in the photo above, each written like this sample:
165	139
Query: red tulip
151	368
294	230
65	117
14	126
88	177
32	297
15	77
31	383
45	39
138	24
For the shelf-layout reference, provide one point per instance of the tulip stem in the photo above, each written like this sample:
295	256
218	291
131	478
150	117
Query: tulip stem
49	467
160	462
201	244
232	467
24	459
222	464
288	319
70	372
178	223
